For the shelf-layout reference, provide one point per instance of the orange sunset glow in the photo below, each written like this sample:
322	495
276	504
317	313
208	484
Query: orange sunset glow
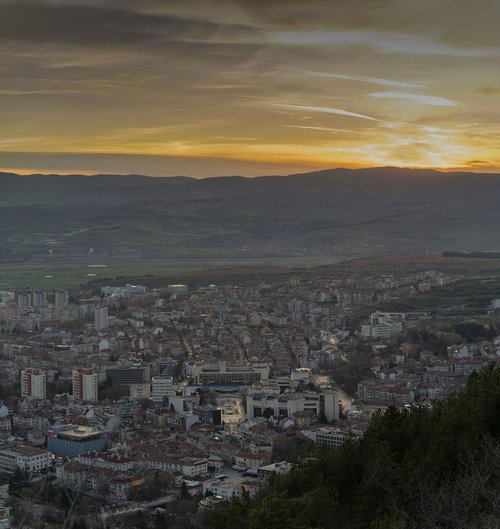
216	87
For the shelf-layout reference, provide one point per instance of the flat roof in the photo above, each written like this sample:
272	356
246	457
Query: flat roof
78	432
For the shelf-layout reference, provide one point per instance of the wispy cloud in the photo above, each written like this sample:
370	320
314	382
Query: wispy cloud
371	80
391	43
321	129
418	98
327	110
249	79
37	92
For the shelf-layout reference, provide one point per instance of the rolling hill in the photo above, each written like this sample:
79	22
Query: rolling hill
338	213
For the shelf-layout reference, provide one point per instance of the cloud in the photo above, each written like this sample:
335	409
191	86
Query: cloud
418	98
16	93
387	42
477	162
155	76
489	90
321	129
94	25
371	80
326	110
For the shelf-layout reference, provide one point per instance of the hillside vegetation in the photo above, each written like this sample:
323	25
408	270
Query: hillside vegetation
415	468
336	212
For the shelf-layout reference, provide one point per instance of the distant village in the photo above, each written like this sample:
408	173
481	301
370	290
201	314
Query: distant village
131	399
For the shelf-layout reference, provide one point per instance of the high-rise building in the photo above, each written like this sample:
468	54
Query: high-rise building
61	299
161	387
33	383
101	318
23	300
85	384
39	299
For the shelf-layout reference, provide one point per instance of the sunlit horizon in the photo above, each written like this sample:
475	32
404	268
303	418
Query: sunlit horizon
218	87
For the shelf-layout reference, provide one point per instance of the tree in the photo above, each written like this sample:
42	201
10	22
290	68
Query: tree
17	481
79	523
416	468
161	521
184	491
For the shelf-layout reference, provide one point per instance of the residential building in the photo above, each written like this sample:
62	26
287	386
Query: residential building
85	384
228	489
325	436
265	472
26	458
101	318
140	391
24	300
161	387
381	331
222	373
61	299
33	383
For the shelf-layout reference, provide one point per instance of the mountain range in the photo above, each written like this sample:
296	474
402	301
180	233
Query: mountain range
337	212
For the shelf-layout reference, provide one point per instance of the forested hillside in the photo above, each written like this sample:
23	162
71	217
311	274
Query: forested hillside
416	468
338	212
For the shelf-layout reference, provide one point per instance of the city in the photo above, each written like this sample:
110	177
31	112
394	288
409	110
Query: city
249	264
125	400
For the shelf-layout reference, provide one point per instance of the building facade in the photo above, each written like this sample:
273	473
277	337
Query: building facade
85	384
72	441
26	458
33	383
161	387
101	318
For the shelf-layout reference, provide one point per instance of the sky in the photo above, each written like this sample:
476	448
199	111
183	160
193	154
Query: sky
252	87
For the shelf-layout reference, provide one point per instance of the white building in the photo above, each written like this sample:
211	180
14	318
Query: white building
379	317
324	436
267	471
23	300
85	383
189	467
140	391
222	373
230	489
101	318
39	299
286	405
162	387
495	303
26	458
177	289
61	299
33	383
384	330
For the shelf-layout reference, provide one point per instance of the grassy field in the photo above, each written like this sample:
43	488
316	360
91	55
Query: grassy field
195	271
67	275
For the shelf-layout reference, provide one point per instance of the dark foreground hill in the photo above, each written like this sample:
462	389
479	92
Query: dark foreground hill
416	468
337	212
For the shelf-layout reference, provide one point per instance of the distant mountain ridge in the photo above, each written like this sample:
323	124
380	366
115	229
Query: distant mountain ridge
338	212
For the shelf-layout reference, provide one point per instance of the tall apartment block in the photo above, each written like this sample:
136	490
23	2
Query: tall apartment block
101	318
61	299
33	383
161	387
85	384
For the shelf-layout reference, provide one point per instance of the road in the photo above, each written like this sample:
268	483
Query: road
327	381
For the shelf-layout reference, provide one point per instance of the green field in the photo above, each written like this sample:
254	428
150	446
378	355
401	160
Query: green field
196	271
68	275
